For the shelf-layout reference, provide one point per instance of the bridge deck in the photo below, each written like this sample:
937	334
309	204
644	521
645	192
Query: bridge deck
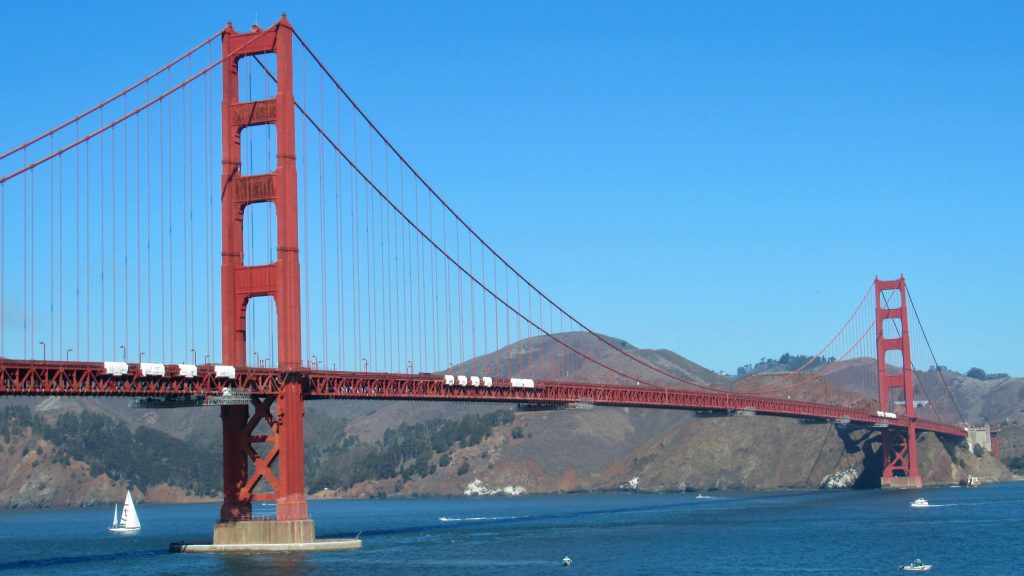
92	379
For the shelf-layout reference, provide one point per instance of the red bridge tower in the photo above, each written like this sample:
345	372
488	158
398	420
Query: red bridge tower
279	280
896	383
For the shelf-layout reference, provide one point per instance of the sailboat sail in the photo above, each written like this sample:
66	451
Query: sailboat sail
129	518
129	521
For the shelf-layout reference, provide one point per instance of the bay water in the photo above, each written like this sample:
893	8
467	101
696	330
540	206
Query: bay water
965	531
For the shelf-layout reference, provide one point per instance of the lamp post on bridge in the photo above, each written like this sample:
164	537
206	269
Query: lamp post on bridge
193	351
366	365
124	352
315	362
141	354
44	350
67	355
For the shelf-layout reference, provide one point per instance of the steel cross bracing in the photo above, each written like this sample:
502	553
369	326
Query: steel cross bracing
90	379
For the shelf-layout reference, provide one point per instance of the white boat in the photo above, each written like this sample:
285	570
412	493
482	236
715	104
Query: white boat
129	520
919	503
566	561
916	566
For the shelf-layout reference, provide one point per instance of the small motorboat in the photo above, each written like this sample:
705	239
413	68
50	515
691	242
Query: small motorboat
919	503
566	561
916	566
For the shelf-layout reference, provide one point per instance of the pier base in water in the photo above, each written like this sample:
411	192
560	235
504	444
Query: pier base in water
901	482
267	536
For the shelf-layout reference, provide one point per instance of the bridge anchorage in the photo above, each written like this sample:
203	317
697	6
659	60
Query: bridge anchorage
262	408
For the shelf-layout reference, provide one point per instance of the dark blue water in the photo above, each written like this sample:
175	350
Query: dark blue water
970	531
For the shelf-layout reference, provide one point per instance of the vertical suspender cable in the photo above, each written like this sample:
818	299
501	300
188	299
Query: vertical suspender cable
88	254
171	214
371	263
396	315
103	249
397	339
459	279
395	353
3	271
483	300
138	233
472	300
448	286
385	276
508	329
161	223
127	276
52	342
357	347
402	272
78	260
433	291
325	349
305	220
214	196
113	239
190	201
357	284
519	328
207	172
421	287
30	269
341	259
406	281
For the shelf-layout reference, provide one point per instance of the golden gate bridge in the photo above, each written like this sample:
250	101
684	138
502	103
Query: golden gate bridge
343	275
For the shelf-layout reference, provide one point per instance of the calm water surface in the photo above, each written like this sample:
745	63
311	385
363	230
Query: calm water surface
969	531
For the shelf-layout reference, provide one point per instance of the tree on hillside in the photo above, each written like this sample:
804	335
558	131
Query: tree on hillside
976	373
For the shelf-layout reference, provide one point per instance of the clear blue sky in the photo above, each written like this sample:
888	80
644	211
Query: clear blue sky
720	179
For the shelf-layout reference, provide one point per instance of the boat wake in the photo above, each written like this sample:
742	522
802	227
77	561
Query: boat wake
478	519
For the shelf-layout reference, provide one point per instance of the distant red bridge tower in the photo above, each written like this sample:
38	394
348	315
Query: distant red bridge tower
896	383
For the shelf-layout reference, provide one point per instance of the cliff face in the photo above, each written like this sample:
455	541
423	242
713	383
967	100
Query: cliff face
34	475
566	451
30	476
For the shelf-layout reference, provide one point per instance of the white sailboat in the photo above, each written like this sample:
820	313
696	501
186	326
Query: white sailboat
129	520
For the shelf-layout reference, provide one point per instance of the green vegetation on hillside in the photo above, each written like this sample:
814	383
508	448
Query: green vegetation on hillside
1016	465
146	457
979	374
405	452
787	362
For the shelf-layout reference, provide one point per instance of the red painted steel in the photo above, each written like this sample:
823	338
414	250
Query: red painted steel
899	446
87	379
279	280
